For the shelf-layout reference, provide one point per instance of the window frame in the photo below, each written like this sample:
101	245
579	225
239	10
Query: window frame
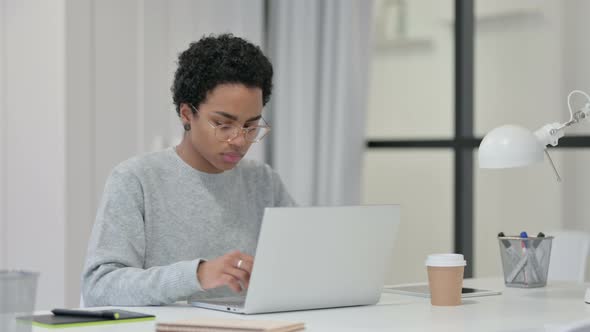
464	142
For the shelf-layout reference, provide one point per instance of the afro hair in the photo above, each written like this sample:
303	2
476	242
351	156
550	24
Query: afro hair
215	60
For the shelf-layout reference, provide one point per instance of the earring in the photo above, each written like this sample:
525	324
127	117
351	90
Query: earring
187	126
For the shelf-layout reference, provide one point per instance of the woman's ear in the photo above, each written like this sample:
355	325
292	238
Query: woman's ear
186	113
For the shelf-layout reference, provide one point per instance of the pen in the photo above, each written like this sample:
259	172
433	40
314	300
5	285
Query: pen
540	237
524	235
521	264
86	313
514	256
532	252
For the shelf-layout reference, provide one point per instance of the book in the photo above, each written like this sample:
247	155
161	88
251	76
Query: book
53	321
226	325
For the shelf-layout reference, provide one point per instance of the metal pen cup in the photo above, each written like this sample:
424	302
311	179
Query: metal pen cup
525	261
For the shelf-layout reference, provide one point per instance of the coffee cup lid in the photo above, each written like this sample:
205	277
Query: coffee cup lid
445	260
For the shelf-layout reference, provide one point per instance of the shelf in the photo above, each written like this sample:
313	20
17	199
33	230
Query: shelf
508	16
511	16
404	45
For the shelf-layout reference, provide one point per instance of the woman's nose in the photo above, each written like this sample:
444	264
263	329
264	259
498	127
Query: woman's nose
239	140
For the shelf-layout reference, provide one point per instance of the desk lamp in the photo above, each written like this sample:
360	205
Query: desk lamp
511	146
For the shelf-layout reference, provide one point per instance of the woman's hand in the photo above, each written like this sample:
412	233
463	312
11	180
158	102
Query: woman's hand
232	269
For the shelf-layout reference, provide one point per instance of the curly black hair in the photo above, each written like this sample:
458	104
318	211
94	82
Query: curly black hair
215	60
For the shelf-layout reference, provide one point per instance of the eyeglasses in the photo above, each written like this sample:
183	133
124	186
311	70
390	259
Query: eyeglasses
227	132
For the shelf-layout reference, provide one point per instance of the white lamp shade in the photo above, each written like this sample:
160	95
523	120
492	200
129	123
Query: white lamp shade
510	146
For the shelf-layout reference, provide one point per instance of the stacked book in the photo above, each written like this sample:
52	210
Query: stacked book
227	325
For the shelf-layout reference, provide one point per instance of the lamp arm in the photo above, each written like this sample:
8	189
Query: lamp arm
582	114
549	134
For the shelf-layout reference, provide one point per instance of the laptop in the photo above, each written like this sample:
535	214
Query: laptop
317	257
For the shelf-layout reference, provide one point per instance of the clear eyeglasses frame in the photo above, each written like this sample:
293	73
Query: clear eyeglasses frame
227	132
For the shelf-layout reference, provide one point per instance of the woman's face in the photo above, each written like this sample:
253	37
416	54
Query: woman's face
227	104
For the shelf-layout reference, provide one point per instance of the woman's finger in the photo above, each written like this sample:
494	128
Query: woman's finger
241	275
231	282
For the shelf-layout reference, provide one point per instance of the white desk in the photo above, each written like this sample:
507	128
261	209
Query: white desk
515	310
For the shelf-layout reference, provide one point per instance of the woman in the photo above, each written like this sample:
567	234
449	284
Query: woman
185	220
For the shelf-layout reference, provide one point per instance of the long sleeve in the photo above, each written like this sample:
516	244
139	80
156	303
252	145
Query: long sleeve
159	218
114	273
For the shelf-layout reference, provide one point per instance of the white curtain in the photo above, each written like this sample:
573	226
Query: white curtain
321	53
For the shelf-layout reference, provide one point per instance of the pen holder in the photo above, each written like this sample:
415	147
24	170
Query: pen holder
17	299
525	261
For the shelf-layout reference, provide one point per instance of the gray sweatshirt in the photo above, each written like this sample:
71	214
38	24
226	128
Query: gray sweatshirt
159	217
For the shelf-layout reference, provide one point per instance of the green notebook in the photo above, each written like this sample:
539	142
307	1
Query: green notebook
52	321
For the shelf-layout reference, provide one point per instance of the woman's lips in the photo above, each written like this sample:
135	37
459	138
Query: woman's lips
231	157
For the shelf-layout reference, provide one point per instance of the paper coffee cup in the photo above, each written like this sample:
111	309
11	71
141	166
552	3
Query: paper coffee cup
445	278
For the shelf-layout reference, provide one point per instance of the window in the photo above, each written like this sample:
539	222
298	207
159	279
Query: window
444	74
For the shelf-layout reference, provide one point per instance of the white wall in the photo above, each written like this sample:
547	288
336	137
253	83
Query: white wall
33	151
84	88
79	142
2	133
576	63
422	183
